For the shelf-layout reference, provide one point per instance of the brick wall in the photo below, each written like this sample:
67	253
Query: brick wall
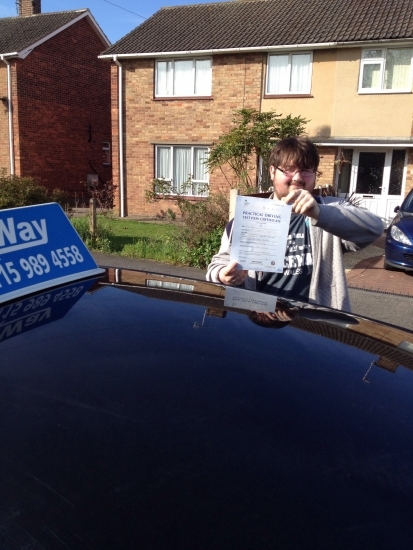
4	122
61	101
327	166
29	7
236	83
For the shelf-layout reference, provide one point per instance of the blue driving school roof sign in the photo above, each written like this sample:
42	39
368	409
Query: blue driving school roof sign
39	249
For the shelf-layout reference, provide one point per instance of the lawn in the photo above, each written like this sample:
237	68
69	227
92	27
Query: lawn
158	241
128	232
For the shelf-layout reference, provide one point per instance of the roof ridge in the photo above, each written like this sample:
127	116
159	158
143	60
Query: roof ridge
202	4
80	10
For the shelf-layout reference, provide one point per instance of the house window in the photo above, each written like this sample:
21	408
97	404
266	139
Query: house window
396	171
106	156
184	167
92	181
344	171
370	172
183	77
386	70
289	73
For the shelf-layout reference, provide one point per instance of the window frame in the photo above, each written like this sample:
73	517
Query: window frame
290	92
204	183
106	153
382	62
172	76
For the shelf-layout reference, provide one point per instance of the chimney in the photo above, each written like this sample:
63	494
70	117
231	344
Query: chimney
29	7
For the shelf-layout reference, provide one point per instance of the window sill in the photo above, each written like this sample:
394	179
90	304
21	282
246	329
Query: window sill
383	92
183	98
183	142
194	198
284	96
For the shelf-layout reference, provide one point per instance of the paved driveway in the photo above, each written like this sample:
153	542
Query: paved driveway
368	273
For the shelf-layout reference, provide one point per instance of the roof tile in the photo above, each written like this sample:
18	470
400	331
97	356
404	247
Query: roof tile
18	33
263	23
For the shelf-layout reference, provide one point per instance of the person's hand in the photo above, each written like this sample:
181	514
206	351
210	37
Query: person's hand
230	275
276	319
281	314
303	202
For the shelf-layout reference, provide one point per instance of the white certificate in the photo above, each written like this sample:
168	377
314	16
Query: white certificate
260	232
250	300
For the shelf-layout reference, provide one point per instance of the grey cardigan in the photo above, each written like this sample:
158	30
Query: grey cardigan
340	227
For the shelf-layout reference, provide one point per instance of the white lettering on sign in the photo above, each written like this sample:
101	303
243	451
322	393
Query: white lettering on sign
23	235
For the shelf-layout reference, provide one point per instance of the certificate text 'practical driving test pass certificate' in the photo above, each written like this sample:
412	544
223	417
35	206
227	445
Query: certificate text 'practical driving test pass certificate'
260	232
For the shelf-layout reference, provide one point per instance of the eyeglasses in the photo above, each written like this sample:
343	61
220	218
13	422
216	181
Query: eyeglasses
305	173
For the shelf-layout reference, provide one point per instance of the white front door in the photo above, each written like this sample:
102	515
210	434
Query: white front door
376	179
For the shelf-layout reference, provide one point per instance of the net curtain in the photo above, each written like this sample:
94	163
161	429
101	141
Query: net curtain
288	73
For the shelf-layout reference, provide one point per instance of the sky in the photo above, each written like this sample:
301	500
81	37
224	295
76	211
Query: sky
115	17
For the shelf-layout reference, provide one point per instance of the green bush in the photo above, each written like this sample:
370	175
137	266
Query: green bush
101	240
252	136
16	191
204	216
198	253
204	222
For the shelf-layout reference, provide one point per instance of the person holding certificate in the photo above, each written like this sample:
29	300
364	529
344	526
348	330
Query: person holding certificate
318	234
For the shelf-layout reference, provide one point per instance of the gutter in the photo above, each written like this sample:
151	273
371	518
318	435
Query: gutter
404	143
10	114
316	46
120	139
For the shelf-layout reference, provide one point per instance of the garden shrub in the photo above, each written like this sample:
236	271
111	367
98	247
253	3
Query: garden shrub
252	136
100	240
204	222
16	191
104	194
200	251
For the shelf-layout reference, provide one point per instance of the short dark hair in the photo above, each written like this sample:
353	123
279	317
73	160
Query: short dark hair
295	151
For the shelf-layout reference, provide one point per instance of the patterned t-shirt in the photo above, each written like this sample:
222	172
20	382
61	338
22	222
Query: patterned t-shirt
295	281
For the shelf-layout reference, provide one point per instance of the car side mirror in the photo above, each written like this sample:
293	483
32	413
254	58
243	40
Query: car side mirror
397	209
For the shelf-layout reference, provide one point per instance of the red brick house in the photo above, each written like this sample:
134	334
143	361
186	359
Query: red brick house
55	121
344	65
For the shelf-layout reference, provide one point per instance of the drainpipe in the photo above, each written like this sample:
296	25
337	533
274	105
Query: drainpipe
10	113
120	131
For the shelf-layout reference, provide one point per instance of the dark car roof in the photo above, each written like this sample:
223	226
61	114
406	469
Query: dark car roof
149	416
